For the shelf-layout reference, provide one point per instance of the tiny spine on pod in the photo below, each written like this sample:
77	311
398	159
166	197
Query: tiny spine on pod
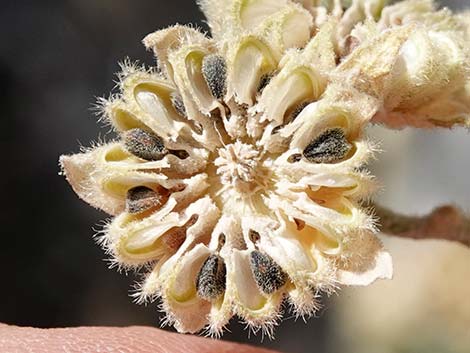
238	178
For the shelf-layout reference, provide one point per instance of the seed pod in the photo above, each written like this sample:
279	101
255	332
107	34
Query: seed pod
142	198
144	144
268	275
210	282
214	71
330	147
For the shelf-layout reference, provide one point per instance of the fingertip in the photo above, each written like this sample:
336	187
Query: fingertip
138	339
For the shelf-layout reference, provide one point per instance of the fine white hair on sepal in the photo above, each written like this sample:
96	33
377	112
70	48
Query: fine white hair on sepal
304	303
266	327
145	290
131	67
214	331
102	109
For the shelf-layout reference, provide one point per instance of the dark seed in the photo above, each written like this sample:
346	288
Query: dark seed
192	220
144	145
264	81
276	129
198	128
178	187
181	154
174	238
291	116
222	240
330	147
268	274
142	198
299	223
295	113
178	104
210	282
253	235
214	71
294	158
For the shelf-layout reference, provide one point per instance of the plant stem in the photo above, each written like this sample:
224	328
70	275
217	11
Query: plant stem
445	222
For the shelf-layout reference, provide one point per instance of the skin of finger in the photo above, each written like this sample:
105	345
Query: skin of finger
136	339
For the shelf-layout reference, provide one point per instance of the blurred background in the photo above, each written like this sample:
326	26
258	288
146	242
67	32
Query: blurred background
55	58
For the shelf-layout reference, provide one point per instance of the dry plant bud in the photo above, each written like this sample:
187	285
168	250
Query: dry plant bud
238	175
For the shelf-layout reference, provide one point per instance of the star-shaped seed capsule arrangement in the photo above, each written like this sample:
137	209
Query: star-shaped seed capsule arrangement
237	181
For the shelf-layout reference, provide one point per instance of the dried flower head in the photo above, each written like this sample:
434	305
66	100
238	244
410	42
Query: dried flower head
238	175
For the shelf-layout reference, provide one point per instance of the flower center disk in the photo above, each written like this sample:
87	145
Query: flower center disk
239	166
